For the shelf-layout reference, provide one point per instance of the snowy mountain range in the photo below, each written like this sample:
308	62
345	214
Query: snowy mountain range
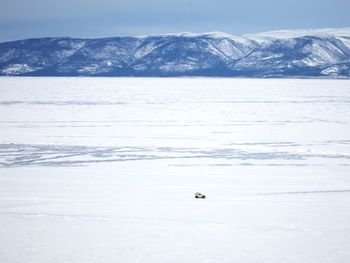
304	53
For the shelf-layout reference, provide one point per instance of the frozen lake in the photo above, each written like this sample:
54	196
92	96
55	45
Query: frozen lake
105	170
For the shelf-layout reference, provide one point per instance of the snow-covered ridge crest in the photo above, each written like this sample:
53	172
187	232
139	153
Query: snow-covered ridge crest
284	34
276	34
214	34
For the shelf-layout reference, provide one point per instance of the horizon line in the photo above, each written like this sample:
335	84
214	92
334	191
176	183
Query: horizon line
197	34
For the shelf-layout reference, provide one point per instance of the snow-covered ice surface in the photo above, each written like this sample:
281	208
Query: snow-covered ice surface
105	170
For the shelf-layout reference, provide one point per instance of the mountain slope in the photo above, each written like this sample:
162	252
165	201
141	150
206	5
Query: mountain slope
277	53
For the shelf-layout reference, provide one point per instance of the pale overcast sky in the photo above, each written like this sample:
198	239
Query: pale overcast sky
104	18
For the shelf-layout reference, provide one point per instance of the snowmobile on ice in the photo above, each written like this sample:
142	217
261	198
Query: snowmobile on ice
199	195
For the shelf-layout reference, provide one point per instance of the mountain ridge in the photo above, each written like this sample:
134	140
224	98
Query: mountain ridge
287	53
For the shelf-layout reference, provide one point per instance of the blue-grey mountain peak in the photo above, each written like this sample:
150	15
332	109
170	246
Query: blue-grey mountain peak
284	53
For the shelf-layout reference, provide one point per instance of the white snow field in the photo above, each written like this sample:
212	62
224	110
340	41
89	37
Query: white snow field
105	170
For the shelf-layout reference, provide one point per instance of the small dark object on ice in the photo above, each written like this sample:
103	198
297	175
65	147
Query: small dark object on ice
199	195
